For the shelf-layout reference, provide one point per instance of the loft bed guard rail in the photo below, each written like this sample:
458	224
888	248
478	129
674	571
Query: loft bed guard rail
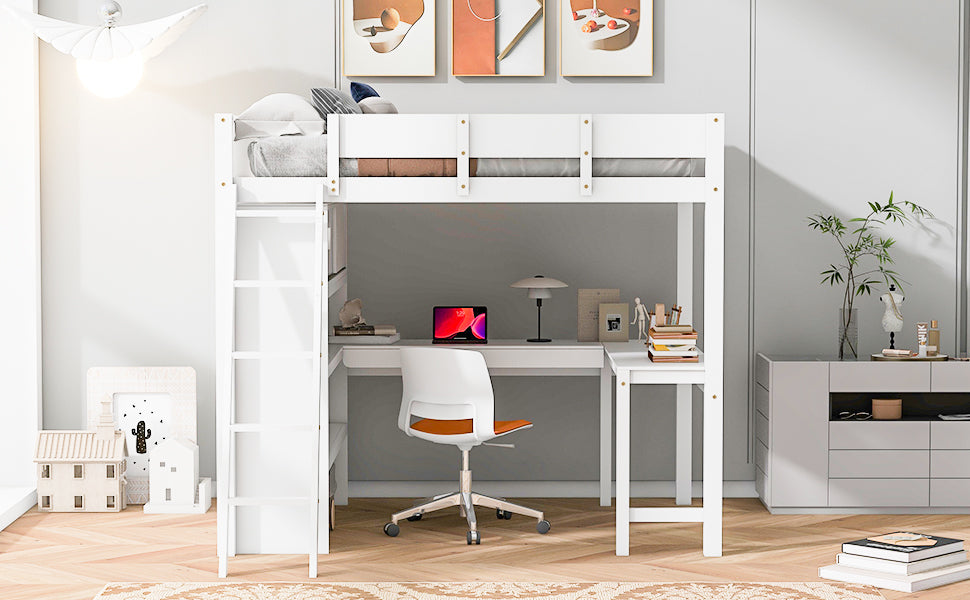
465	137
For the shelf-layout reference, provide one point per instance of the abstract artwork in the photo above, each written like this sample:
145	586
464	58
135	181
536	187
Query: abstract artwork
388	37
150	404
606	38
498	37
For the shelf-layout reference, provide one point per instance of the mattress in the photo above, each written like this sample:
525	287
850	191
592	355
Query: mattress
306	156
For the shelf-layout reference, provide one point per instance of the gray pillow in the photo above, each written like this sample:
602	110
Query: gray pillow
377	106
329	101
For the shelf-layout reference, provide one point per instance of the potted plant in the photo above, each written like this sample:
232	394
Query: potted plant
866	258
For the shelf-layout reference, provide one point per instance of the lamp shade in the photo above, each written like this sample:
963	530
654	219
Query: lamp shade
539	286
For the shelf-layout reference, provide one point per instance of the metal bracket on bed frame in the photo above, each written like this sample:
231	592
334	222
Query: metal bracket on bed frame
333	155
462	154
585	155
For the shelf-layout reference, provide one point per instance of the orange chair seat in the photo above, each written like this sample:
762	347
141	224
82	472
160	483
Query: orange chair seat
460	426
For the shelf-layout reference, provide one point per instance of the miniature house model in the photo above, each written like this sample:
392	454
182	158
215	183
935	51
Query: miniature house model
173	479
82	471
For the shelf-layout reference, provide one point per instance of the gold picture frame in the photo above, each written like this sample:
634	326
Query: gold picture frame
614	322
492	45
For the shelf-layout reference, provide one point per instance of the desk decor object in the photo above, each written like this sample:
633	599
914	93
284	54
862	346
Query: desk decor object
355	328
892	319
539	287
588	317
606	38
497	37
865	255
887	409
613	322
388	38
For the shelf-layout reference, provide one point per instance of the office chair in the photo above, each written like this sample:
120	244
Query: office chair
448	400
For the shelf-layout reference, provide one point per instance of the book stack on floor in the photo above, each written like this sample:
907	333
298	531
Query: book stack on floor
901	561
365	334
672	343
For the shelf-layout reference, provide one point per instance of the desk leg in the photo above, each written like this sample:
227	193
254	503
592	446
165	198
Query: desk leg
684	443
606	436
623	462
339	412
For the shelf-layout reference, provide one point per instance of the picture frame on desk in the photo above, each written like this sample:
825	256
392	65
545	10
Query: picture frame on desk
614	322
588	302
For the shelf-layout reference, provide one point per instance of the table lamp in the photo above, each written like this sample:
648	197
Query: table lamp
539	287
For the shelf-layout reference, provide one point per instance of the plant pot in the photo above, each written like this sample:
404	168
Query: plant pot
848	328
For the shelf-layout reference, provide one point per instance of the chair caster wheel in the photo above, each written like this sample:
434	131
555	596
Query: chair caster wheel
543	526
416	517
473	537
391	529
502	514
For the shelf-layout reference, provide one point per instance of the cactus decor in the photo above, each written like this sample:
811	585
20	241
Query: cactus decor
141	435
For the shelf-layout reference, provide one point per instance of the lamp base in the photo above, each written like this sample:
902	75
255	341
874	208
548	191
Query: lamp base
538	340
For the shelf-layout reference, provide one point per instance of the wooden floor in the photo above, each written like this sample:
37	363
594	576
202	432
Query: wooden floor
71	556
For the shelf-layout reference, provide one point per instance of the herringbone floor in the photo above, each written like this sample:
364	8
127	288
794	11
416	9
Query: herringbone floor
71	556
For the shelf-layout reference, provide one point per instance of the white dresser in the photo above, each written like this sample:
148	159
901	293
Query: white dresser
808	460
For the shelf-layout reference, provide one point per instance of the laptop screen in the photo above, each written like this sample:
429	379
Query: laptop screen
460	325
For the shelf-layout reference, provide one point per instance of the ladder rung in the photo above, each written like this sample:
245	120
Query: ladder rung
270	427
271	501
270	283
264	355
276	214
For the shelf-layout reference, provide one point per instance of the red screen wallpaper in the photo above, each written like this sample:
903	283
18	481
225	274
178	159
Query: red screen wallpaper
459	323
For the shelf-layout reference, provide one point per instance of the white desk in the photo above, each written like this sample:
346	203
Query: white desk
632	366
507	358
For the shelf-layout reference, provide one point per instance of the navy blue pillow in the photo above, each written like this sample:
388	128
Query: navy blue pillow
361	90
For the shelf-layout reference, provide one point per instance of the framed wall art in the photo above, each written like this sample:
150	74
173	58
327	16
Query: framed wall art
150	404
498	37
606	38
388	38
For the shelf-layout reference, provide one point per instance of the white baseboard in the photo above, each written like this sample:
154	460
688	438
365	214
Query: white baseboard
14	502
535	489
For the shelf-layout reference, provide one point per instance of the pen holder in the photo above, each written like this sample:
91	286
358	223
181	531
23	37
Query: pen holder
887	409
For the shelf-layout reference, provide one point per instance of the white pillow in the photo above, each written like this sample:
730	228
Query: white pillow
376	105
280	114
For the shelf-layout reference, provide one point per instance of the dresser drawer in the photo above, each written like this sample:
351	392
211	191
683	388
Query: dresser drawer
950	492
879	377
878	492
869	435
762	371
950	376
761	456
762	400
879	463
950	435
950	463
761	428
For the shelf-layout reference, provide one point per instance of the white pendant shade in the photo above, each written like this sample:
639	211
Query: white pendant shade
107	41
539	282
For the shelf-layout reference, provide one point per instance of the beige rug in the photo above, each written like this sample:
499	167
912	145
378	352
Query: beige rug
487	591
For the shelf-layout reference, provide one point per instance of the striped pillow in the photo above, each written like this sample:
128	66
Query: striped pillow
329	101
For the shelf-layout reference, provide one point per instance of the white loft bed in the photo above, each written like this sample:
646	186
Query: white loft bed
319	201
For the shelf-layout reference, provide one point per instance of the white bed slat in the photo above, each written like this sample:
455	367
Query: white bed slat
586	155
397	136
463	156
650	136
524	136
333	155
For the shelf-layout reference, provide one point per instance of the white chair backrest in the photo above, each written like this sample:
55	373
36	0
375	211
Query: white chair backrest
447	384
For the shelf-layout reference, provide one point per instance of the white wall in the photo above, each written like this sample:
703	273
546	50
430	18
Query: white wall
127	202
20	366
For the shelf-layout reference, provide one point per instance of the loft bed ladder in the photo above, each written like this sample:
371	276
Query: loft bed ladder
228	214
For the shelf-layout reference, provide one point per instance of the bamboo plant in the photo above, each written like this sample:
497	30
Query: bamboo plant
866	259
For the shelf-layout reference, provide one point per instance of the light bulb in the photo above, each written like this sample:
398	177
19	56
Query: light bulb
111	78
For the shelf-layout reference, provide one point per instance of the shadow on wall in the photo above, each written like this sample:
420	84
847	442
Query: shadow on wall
795	314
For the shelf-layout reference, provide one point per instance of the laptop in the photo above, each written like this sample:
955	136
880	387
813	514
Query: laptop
459	325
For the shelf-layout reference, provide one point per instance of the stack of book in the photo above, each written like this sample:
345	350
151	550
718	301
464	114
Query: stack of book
365	334
672	343
902	561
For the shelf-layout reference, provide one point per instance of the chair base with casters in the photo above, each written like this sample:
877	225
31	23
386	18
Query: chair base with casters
466	500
